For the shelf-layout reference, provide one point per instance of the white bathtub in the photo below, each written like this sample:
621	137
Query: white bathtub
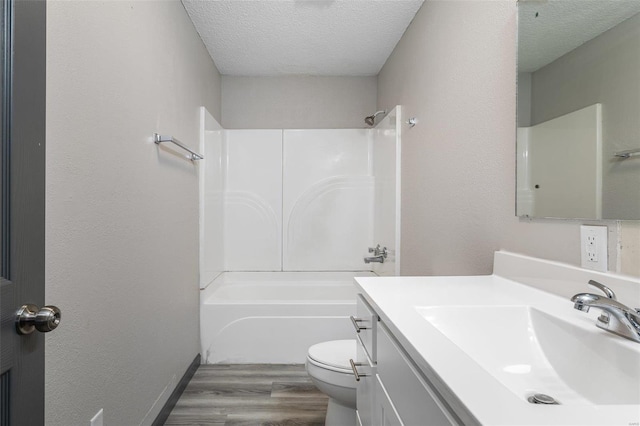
273	317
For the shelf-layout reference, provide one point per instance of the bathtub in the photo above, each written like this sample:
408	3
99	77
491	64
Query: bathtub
273	317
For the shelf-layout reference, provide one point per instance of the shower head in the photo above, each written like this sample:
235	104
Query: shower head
370	120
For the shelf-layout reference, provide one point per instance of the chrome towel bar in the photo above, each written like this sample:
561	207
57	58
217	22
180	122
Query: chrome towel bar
627	154
158	139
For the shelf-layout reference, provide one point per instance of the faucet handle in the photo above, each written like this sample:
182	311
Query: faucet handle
375	249
606	290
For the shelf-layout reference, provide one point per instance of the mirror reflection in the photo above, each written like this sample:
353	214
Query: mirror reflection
579	109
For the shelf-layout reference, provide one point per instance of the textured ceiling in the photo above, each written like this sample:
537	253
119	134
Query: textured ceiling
563	25
280	37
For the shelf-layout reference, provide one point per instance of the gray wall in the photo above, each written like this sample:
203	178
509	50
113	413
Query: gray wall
455	70
122	214
458	161
605	70
297	102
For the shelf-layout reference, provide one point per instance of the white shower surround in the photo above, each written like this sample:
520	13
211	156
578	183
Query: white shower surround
327	199
252	161
289	214
292	200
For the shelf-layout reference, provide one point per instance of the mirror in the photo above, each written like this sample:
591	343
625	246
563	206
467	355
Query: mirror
578	109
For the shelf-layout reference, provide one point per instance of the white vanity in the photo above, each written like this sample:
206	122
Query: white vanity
475	350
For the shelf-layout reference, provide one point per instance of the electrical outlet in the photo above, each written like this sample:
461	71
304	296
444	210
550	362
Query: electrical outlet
593	247
97	420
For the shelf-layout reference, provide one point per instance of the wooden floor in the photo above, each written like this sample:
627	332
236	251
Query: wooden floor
254	394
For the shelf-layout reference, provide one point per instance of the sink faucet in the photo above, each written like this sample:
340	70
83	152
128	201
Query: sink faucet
616	317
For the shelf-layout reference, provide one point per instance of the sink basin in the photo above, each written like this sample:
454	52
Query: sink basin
529	351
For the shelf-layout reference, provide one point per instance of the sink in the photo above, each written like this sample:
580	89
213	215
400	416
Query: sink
529	351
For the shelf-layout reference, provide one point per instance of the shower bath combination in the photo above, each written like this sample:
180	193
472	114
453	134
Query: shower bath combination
308	223
370	120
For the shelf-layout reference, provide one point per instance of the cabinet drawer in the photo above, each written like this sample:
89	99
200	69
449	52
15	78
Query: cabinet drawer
412	397
365	324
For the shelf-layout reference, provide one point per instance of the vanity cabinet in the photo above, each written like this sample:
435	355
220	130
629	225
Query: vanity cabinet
394	391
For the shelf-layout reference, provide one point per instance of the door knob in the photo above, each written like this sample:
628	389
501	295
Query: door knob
29	318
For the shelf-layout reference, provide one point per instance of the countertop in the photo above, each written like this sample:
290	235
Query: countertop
452	371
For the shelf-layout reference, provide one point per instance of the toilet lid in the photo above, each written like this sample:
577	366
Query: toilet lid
335	353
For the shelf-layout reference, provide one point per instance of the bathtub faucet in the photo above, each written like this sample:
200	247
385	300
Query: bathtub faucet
380	255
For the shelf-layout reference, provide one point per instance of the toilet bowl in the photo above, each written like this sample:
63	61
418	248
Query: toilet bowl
328	366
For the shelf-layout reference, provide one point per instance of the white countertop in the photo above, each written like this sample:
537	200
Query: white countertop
395	299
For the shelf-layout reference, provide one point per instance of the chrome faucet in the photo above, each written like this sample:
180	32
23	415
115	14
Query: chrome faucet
379	255
616	317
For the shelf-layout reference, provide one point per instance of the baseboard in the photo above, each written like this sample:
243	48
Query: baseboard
177	392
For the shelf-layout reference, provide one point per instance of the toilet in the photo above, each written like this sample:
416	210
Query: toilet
330	371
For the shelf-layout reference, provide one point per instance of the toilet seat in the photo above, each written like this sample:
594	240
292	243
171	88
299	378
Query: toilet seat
329	367
333	355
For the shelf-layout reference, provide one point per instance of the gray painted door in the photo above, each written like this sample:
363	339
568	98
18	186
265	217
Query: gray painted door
22	203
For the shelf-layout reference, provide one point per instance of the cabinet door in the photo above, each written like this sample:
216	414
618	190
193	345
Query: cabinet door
385	413
411	395
365	389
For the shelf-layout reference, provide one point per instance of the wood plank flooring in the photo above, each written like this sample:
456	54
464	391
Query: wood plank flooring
250	394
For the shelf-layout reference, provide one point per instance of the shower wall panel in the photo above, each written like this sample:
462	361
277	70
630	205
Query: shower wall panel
253	200
327	199
386	171
211	181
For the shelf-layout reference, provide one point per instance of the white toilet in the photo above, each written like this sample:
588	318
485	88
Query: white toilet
329	368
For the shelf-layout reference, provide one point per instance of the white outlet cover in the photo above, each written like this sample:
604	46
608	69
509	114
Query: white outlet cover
593	247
